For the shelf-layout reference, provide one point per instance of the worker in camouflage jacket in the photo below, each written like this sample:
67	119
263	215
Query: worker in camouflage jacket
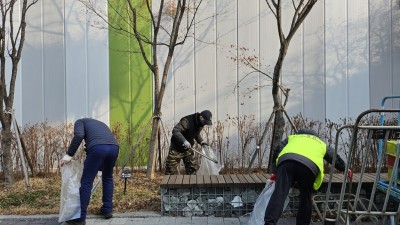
183	135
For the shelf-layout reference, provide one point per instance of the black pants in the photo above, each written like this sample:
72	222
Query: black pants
287	173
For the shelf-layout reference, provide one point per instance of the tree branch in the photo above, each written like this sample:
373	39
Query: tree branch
138	37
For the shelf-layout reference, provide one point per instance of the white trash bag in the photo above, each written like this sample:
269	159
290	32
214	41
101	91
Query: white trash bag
208	167
70	206
257	216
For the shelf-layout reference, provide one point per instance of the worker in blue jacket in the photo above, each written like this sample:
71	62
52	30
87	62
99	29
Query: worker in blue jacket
299	158
101	154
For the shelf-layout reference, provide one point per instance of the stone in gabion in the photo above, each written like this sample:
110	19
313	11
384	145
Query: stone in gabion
192	204
167	207
237	201
200	200
224	210
183	199
184	191
249	196
173	200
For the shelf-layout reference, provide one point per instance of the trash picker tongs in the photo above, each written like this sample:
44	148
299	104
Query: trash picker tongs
205	156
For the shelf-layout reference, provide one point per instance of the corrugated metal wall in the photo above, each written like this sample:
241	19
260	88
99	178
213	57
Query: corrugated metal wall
342	61
64	69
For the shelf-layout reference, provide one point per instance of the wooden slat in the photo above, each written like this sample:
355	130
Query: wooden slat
236	181
221	181
186	181
207	180
228	180
243	181
266	176
337	178
164	182
171	181
326	178
256	179
214	181
370	177
179	180
262	177
192	180
356	177
249	179
200	180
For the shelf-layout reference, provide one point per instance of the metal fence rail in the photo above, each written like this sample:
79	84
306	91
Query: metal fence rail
352	206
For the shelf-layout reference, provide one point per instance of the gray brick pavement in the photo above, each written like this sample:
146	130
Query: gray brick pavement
137	219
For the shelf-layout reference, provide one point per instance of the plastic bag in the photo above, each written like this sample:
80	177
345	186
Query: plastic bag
208	167
70	206
257	216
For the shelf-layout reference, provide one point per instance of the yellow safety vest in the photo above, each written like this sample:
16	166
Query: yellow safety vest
310	147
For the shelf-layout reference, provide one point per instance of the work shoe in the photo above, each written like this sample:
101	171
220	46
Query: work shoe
73	222
105	215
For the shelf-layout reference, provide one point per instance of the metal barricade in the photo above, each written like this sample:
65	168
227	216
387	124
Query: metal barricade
352	205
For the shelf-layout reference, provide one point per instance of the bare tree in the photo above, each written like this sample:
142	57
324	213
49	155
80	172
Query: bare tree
12	38
301	10
166	21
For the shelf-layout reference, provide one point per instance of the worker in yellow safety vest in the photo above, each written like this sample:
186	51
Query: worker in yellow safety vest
299	159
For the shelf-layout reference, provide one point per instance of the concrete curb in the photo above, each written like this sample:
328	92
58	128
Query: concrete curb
139	214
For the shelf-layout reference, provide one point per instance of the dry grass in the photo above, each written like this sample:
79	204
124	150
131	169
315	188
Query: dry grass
142	194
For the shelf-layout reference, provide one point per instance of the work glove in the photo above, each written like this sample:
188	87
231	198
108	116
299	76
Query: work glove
272	177
204	144
350	174
187	145
65	159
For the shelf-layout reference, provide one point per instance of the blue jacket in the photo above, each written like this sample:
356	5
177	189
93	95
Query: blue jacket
94	132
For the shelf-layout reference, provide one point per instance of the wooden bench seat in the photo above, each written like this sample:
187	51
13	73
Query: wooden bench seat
241	180
226	180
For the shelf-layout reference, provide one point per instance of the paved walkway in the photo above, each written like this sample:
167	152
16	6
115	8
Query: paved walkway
137	218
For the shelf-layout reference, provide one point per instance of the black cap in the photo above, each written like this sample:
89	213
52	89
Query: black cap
307	131
207	115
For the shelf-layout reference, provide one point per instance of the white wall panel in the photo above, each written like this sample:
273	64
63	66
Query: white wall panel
32	68
76	61
227	104
54	61
336	59
97	66
205	58
292	69
248	46
313	85
358	57
183	66
168	103
395	25
380	51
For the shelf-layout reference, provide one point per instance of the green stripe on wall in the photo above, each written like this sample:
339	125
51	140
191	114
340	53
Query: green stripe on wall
130	85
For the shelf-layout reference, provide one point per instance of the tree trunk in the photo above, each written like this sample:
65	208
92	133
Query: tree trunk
7	151
279	120
151	164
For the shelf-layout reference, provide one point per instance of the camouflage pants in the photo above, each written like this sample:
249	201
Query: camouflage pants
174	158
